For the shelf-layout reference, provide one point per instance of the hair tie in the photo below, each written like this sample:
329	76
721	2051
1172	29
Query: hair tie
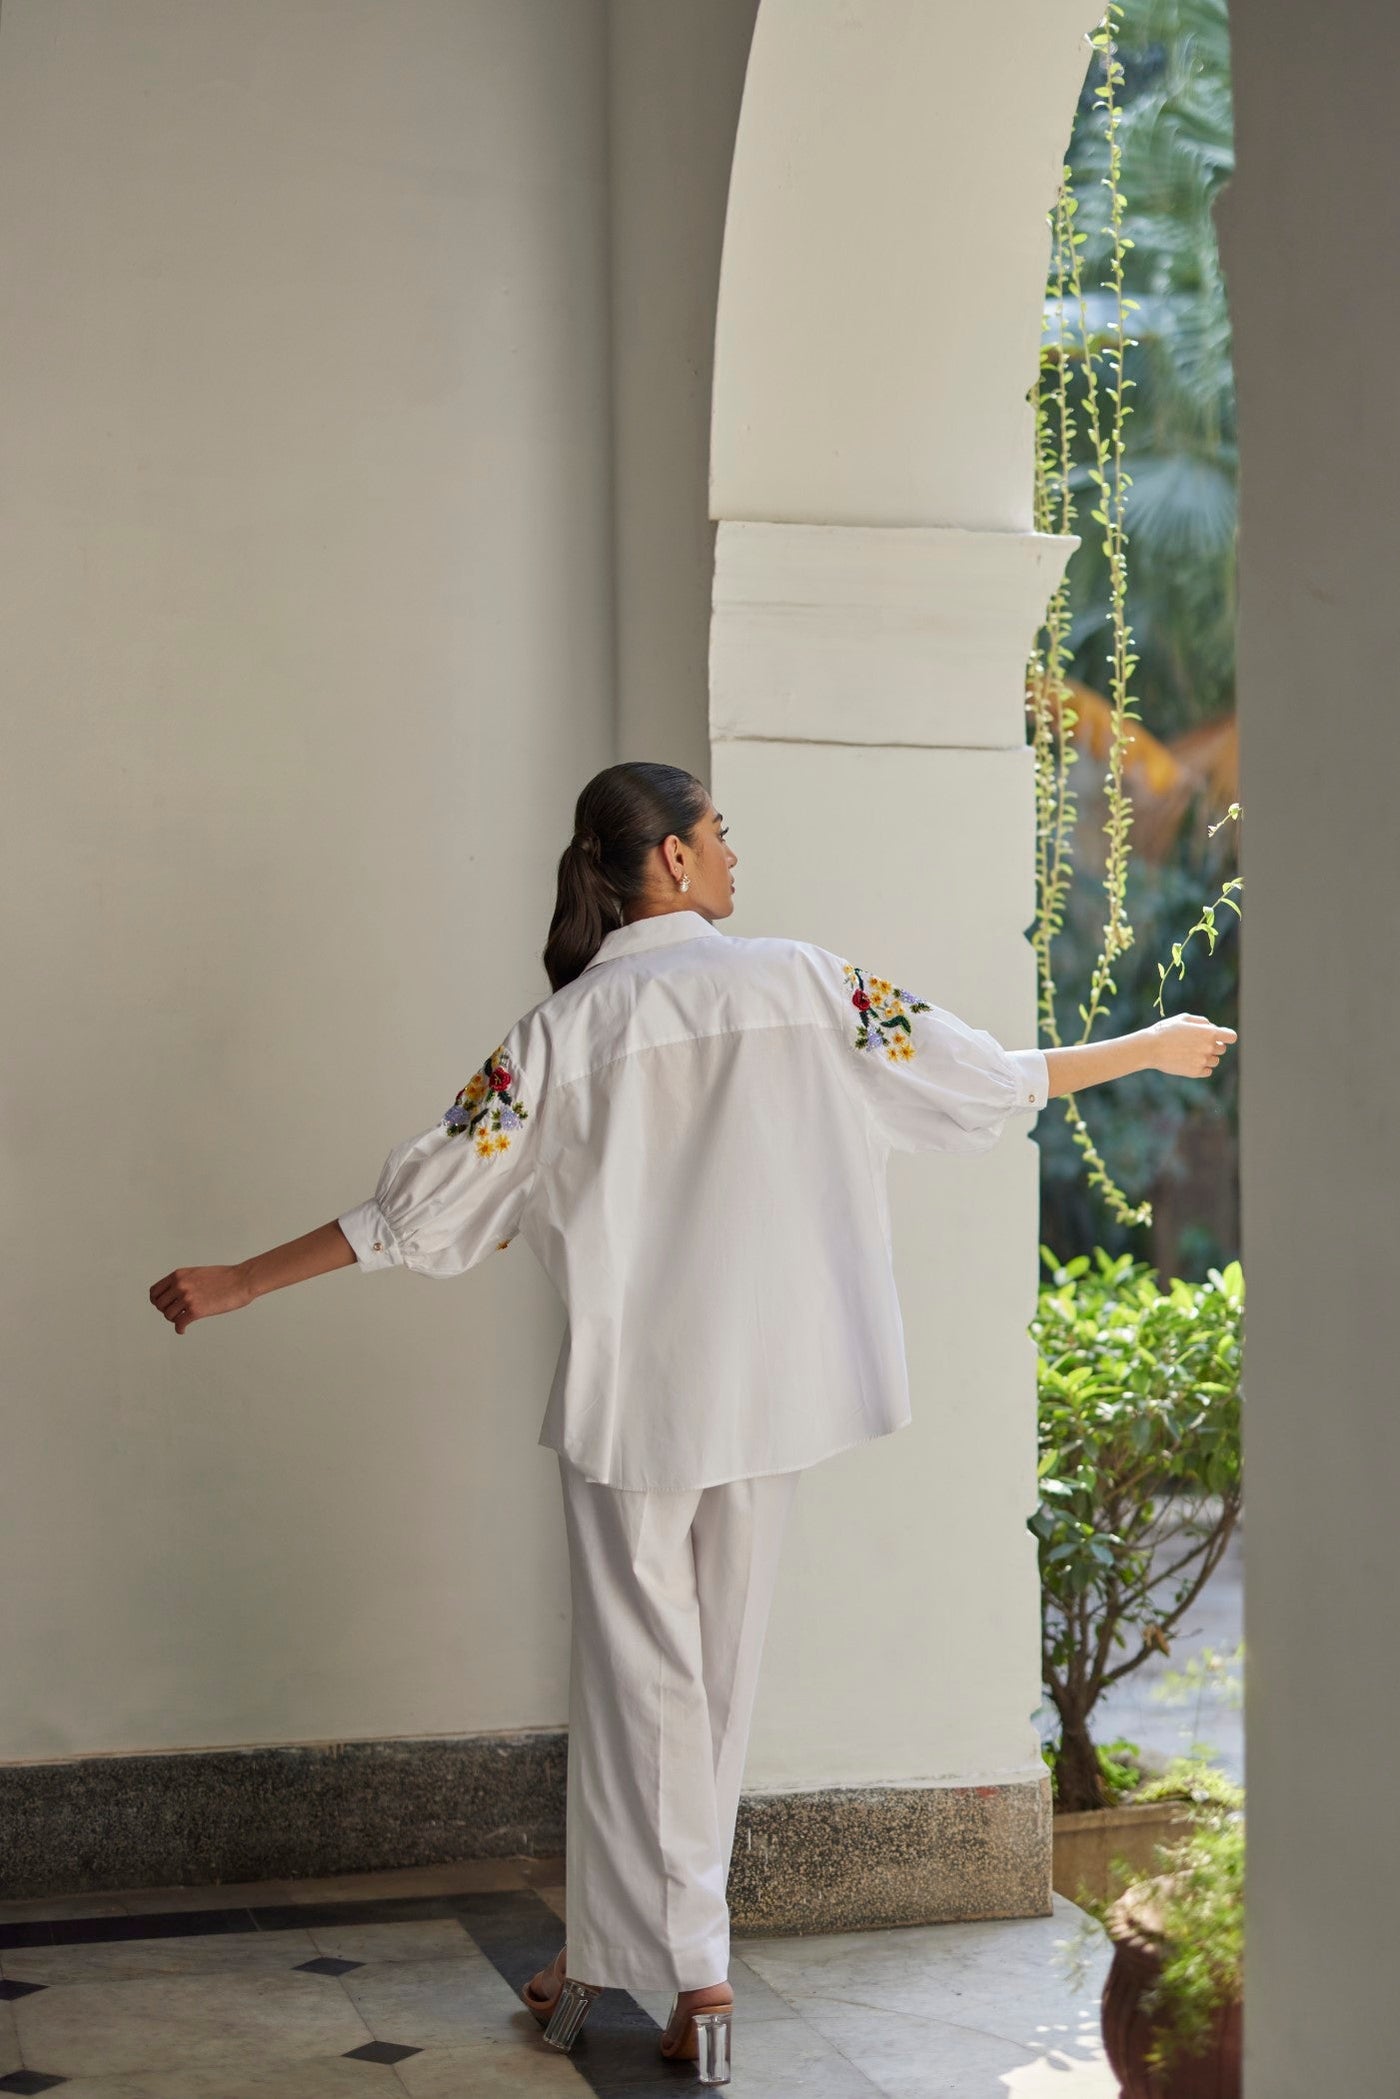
589	843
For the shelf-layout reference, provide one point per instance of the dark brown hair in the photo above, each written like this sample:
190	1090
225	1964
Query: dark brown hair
621	814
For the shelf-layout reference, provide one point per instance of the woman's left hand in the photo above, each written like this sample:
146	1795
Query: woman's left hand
1187	1045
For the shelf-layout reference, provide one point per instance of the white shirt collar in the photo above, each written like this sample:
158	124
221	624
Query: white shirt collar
658	929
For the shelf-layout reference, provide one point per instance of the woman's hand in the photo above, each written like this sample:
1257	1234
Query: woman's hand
1186	1044
198	1293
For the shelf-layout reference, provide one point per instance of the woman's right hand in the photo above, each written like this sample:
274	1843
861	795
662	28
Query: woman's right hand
1187	1045
198	1293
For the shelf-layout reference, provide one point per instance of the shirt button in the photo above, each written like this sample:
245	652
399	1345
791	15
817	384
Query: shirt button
378	1247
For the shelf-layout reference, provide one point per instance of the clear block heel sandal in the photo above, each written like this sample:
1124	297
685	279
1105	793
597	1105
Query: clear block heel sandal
712	2034
572	2007
704	2040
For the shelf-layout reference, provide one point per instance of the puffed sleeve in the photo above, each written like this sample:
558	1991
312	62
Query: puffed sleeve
447	1198
931	1081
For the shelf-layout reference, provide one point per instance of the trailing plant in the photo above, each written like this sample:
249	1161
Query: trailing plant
1080	442
1139	1476
1206	922
1169	150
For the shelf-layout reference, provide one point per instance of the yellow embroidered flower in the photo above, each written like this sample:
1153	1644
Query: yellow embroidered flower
500	1142
884	1010
485	1149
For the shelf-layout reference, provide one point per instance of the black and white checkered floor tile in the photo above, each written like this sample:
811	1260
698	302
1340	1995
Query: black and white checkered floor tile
307	2000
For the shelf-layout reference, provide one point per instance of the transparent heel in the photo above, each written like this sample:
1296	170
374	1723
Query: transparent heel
712	2034
575	2003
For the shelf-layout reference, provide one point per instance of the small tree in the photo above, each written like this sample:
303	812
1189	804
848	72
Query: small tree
1139	1474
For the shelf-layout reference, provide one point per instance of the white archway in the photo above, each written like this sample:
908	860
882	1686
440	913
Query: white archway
877	590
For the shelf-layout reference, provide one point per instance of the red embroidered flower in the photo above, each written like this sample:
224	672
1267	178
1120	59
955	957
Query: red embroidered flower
884	1014
488	1106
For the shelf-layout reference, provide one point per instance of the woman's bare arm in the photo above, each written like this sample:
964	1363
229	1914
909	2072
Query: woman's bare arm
197	1293
315	1253
1186	1044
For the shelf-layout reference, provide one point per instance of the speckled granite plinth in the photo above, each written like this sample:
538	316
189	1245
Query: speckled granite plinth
198	1817
846	1858
855	1857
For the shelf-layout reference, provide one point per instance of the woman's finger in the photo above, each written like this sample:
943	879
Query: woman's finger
171	1302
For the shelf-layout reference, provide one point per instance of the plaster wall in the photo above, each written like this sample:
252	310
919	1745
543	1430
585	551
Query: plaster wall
305	539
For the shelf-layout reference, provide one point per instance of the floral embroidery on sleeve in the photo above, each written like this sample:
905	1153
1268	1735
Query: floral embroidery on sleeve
884	1011
488	1107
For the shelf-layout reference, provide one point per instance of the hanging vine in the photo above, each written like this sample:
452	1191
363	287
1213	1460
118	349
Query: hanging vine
1105	412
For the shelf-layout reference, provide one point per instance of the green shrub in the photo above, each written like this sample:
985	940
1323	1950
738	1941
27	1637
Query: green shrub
1201	1913
1139	1476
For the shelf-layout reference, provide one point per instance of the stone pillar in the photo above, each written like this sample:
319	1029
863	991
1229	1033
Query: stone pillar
1317	176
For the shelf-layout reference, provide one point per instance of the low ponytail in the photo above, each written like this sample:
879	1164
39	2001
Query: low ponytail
621	814
585	909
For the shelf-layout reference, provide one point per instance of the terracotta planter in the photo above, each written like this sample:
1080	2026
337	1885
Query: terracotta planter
1128	2030
1086	1845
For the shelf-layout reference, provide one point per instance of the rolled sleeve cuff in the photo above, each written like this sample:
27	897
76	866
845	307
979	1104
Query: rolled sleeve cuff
1034	1072
368	1231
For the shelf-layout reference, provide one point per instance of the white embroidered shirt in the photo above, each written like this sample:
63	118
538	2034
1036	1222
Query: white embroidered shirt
692	1137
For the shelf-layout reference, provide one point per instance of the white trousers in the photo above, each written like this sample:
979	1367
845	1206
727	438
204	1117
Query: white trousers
671	1596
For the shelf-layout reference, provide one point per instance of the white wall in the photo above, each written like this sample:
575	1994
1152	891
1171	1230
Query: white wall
306	562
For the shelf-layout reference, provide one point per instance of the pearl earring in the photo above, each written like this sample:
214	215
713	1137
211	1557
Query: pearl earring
686	883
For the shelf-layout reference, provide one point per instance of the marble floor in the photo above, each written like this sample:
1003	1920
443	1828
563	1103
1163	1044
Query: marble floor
405	1984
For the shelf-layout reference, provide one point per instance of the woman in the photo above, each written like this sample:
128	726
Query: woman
691	1133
